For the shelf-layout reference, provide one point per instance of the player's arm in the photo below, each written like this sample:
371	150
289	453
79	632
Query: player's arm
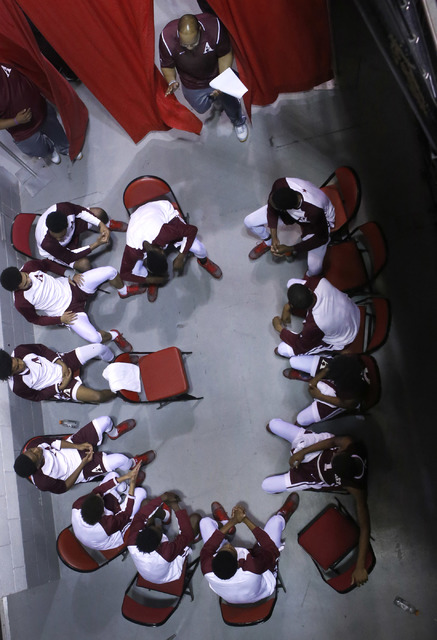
359	575
22	117
169	74
297	457
70	481
225	62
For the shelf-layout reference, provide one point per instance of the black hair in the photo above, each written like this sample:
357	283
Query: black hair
10	278
345	466
56	221
224	565
156	262
148	539
285	198
92	508
299	296
24	466
346	371
5	365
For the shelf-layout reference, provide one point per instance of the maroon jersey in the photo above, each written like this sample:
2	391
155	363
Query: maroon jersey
199	66
312	222
17	93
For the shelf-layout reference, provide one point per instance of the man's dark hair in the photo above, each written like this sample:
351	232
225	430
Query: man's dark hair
10	278
345	466
148	539
285	198
346	371
24	466
5	365
224	565
92	508
299	296
156	263
56	221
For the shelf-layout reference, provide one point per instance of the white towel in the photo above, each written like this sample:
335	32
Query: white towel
122	375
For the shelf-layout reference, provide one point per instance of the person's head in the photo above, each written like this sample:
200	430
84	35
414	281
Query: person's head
285	198
148	539
156	261
347	466
225	562
189	32
9	366
347	372
27	463
12	279
92	508
300	297
57	223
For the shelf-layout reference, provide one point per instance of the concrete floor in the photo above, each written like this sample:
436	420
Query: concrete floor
217	448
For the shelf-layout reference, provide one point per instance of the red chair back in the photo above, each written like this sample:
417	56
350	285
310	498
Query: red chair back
22	233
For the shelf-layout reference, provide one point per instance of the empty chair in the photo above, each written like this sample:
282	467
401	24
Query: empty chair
145	189
246	615
331	539
23	234
353	264
152	604
374	325
344	190
163	377
80	558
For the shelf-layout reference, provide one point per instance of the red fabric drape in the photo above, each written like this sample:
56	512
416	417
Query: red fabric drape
110	44
281	46
19	49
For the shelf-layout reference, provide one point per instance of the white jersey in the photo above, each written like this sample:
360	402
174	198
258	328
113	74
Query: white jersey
50	296
313	195
336	315
153	567
244	586
41	229
60	463
40	373
146	222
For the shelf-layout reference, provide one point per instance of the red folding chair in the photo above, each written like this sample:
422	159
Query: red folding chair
331	539
146	189
23	234
247	615
163	377
81	558
374	325
344	190
354	263
151	604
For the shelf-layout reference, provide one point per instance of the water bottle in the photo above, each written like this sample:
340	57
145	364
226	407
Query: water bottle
71	424
405	606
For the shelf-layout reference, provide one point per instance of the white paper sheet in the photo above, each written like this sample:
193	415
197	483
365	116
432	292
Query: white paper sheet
229	83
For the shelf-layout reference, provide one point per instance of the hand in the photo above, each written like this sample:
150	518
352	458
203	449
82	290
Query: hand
359	577
281	249
104	231
66	376
238	513
85	446
296	459
69	317
24	116
172	88
170	496
277	324
88	457
178	264
314	392
214	94
102	239
77	279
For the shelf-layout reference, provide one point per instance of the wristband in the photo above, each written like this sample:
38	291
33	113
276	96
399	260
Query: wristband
16	121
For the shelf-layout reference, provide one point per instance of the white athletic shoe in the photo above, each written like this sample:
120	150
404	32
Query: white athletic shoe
55	158
79	156
242	132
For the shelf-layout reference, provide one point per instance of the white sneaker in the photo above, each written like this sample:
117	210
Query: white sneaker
242	132
79	156
55	158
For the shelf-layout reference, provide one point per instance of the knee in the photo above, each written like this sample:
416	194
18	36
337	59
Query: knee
100	214
82	265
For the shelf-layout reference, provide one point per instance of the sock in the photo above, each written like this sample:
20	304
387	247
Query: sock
114	334
123	290
113	432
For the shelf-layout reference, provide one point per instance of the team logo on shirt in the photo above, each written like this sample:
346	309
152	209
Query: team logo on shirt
7	70
98	469
207	48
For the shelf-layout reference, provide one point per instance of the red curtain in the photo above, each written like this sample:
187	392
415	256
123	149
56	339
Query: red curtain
281	46
110	44
19	49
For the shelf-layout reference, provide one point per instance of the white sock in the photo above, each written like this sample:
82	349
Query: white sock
123	290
